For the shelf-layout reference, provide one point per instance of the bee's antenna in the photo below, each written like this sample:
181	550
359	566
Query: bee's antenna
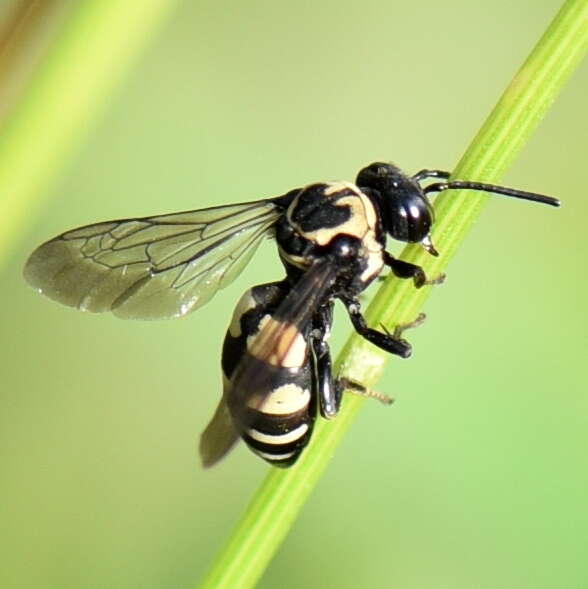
464	184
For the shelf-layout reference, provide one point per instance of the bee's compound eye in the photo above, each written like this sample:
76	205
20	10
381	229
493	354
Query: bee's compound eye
409	217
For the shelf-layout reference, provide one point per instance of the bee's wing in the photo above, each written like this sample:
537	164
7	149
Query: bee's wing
152	267
276	340
219	437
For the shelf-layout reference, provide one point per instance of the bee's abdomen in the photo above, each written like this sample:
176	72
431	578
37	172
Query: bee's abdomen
280	427
273	405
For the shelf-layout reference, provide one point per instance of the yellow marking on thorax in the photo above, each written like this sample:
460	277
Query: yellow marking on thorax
362	218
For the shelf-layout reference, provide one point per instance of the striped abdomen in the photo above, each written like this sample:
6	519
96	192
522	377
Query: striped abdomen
268	377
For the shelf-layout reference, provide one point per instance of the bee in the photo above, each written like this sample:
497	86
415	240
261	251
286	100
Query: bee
277	370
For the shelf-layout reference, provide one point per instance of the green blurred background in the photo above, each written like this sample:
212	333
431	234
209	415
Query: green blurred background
477	477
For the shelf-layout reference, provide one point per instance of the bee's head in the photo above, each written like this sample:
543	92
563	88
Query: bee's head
407	214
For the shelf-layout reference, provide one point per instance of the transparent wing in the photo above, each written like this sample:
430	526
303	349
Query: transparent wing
152	267
275	339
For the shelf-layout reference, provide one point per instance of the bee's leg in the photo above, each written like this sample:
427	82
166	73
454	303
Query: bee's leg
407	270
392	343
328	391
402	327
356	388
360	390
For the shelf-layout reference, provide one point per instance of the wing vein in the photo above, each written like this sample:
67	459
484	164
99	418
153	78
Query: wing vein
151	267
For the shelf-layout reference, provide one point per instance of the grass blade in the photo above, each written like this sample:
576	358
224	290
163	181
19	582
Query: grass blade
93	51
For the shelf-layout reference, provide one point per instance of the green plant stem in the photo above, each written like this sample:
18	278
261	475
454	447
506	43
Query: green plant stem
280	497
91	54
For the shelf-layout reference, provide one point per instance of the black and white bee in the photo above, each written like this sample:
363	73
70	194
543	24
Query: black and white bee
276	364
